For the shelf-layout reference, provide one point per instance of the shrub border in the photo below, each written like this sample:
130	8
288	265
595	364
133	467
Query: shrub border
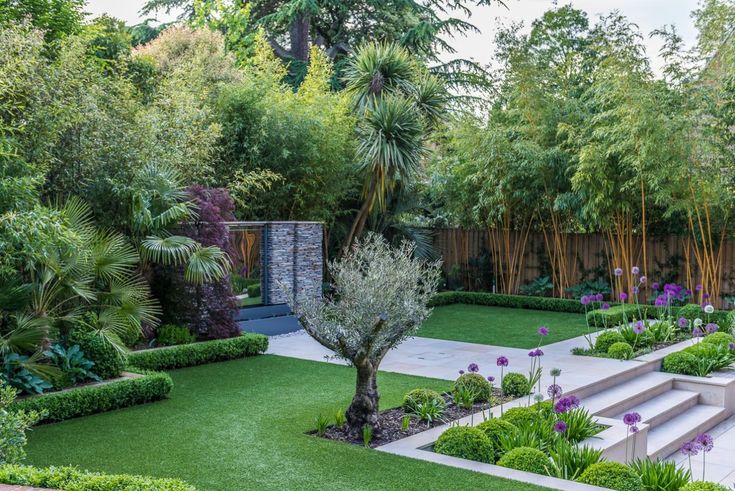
188	355
510	301
131	390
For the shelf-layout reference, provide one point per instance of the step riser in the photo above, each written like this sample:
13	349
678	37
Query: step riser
673	412
673	447
634	400
610	382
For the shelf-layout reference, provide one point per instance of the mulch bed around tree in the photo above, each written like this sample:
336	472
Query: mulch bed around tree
390	422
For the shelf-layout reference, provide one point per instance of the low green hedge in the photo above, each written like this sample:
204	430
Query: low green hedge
511	301
71	479
188	355
91	399
254	290
615	315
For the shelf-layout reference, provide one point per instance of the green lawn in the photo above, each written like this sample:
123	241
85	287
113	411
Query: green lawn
501	326
240	425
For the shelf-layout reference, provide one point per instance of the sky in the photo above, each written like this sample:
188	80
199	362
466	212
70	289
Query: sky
648	14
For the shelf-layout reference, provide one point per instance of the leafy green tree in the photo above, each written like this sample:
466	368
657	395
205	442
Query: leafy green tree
56	18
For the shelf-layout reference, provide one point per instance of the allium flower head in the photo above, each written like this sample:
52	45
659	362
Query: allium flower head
711	328
636	290
623	296
554	391
560	426
697	332
618	272
631	419
555	372
605	306
585	300
634	429
566	403
502	361
655	285
689	448
473	368
535	353
698	287
461	372
697	322
635	270
639	327
731	346
683	322
705	442
491	379
643	279
660	301
705	295
543	331
709	309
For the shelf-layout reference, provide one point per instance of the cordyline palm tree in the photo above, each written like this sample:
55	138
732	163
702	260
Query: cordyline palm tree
160	204
397	103
95	283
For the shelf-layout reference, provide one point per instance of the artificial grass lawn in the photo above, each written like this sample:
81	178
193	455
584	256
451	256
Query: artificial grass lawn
501	326
240	425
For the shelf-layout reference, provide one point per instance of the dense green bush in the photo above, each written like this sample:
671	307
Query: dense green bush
71	479
421	396
511	301
91	399
620	351
13	427
475	383
187	355
719	338
254	290
704	486
612	475
494	428
516	385
681	362
607	339
615	315
693	311
521	416
108	361
466	442
170	334
526	459
690	312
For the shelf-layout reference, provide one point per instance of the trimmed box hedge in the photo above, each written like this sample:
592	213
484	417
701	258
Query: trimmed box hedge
615	315
97	398
72	479
511	301
188	355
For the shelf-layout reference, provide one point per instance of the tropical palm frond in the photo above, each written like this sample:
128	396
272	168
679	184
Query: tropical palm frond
28	333
132	301
378	69
207	264
113	256
431	98
78	216
34	365
172	250
172	215
14	294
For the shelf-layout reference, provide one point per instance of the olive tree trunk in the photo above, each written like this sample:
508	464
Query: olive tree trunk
363	409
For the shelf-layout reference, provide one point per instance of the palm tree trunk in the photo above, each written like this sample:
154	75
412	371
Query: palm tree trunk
358	226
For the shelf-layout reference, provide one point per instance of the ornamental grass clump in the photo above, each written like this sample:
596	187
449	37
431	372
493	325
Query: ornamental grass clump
380	297
661	475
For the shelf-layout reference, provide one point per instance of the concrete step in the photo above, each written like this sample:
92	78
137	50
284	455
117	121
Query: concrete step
663	407
620	398
667	437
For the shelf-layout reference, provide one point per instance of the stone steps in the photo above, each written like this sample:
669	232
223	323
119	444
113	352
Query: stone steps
667	437
620	398
663	407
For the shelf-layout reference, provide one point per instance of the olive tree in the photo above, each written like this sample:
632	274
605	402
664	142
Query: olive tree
380	297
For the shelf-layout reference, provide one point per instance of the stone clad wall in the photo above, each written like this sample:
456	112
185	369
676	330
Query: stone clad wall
292	255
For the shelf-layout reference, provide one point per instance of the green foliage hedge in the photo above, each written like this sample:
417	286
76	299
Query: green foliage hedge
494	428
691	311
254	290
466	442
521	416
108	362
91	399
704	486
511	301
607	339
615	315
171	335
526	459
71	479
681	362
719	338
421	396
612	475
516	385
187	355
477	384
620	351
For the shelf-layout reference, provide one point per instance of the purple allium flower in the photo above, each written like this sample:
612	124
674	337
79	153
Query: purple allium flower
689	292
502	361
711	328
461	372
473	368
689	448
560	426
585	300
655	285
631	419
599	297
698	287
697	332
605	306
634	429
705	442
643	279
623	296
635	270
660	301
705	295
618	272
543	331
566	403
491	379
683	322
731	346
554	391
636	290
535	353
639	327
